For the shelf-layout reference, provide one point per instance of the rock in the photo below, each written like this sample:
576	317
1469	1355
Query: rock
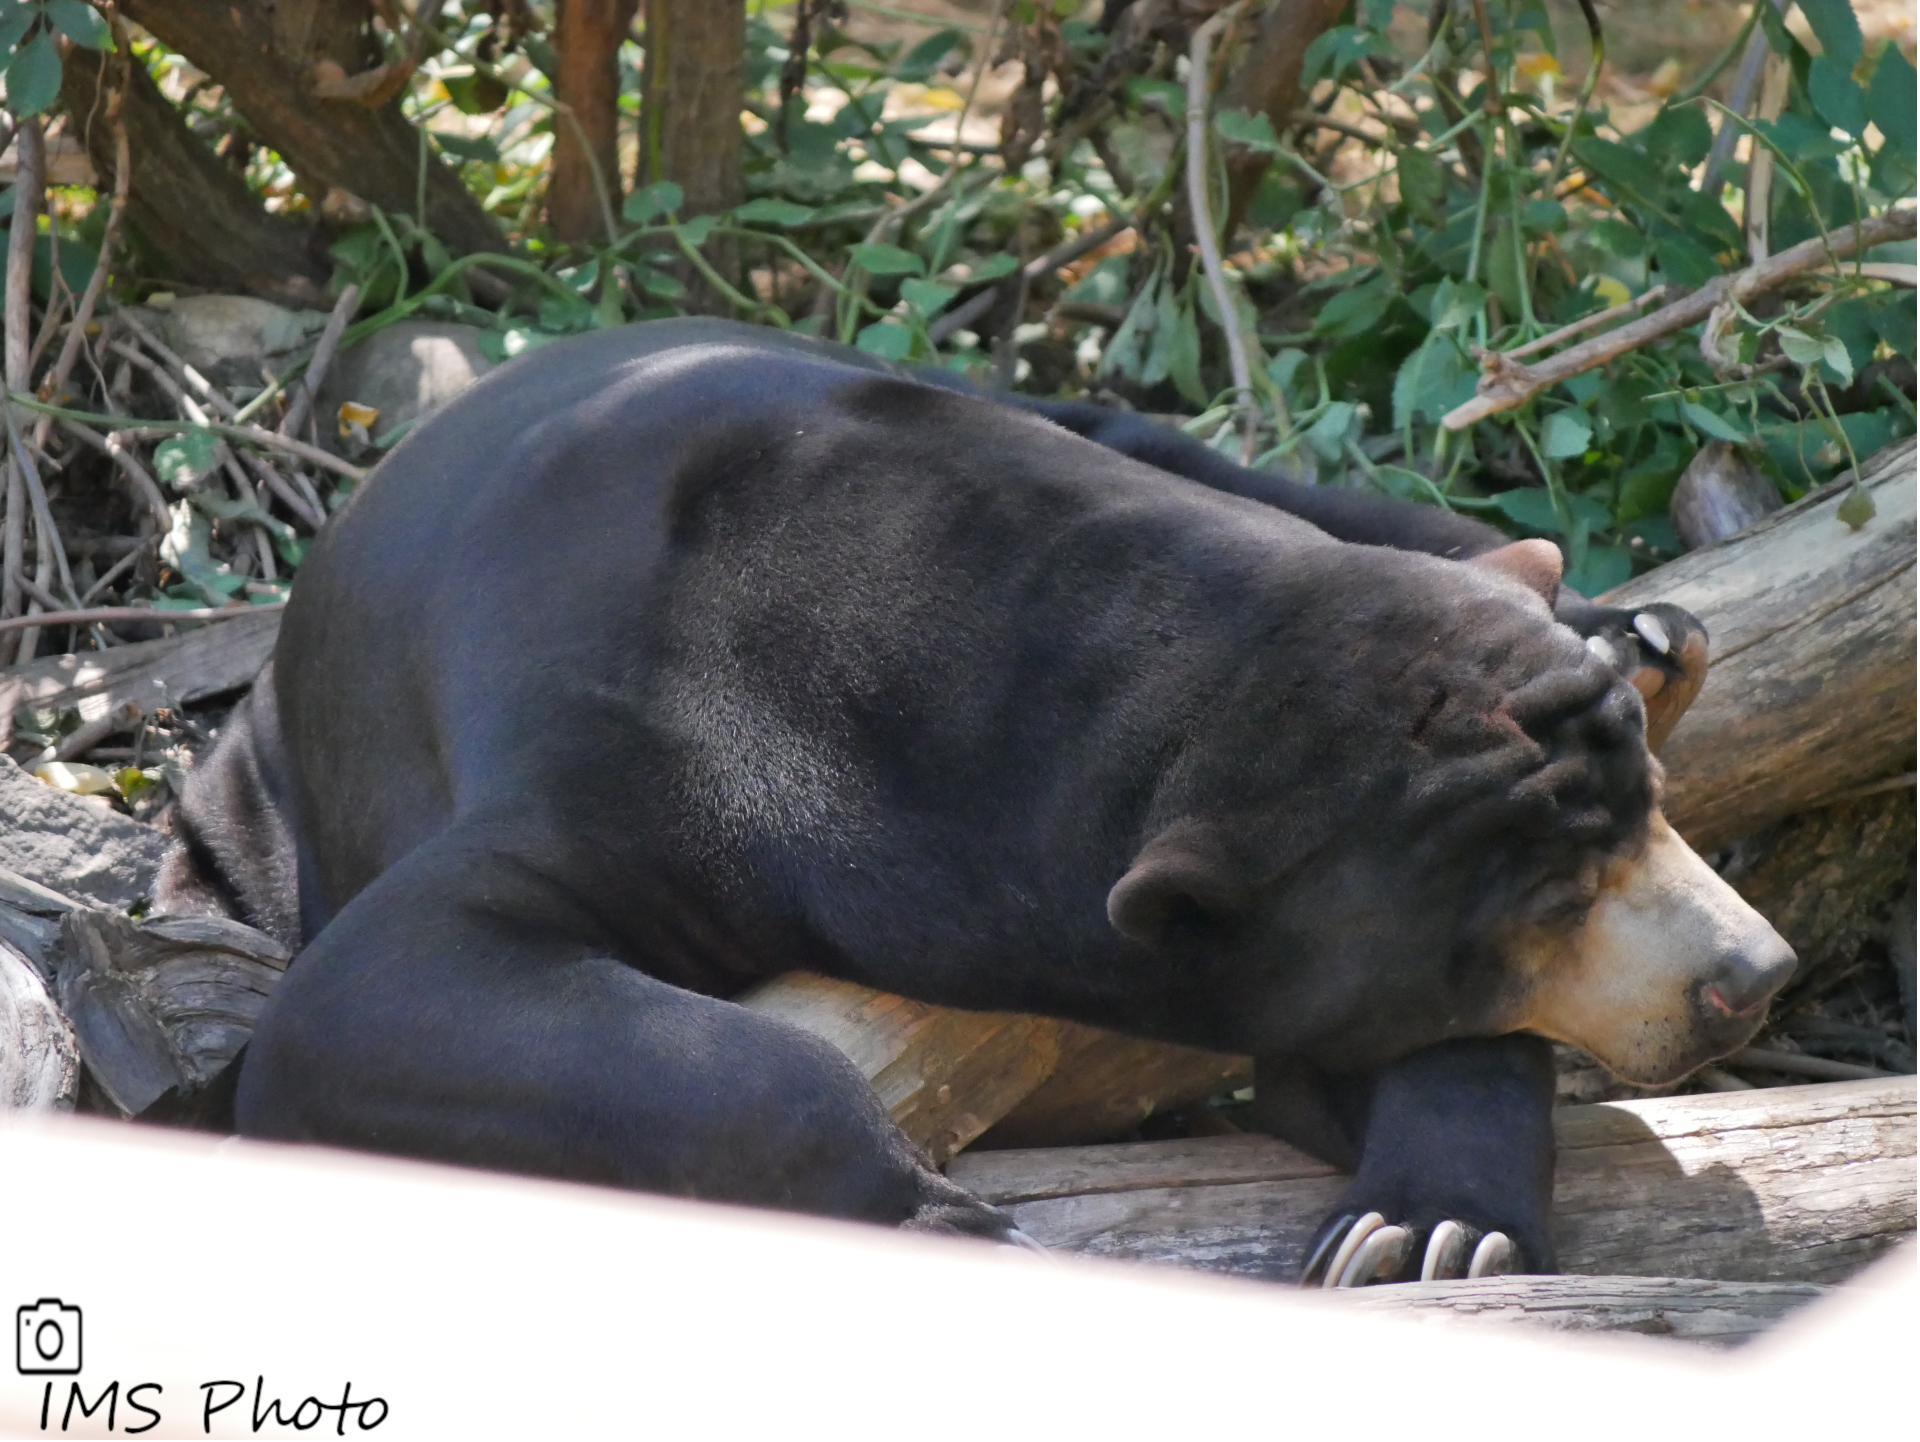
228	338
406	371
77	845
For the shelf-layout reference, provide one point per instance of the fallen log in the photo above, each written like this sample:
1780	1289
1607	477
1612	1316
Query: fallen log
1790	1184
175	671
1809	691
1720	1314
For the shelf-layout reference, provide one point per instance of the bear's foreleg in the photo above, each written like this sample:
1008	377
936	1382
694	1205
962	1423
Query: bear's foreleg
1452	1149
458	1010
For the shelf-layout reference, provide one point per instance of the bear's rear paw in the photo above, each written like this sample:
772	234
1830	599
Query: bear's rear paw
1360	1251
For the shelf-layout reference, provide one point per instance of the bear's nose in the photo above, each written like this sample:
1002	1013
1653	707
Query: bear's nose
1750	977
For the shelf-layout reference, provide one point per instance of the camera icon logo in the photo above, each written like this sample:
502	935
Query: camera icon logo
48	1338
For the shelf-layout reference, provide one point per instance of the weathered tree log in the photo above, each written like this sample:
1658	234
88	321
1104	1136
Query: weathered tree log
1810	691
198	663
945	1075
1792	1184
162	1007
1721	1314
39	1059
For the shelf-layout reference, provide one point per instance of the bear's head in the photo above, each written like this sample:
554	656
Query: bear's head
1425	810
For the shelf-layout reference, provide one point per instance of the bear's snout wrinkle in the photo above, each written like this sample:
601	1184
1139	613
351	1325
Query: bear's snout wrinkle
1668	970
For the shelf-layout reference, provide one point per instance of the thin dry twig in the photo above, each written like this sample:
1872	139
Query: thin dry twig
1246	418
1505	386
1584	324
28	186
94	615
308	391
110	446
1065	253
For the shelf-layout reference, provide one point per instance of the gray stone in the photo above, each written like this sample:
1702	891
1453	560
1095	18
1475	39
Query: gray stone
406	371
227	338
80	846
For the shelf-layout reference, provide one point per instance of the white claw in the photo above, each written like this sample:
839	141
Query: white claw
1598	648
1018	1238
1446	1253
1493	1257
1356	1234
1652	632
1382	1253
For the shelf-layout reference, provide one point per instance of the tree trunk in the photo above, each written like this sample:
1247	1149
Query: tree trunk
690	100
192	213
269	59
586	154
1267	82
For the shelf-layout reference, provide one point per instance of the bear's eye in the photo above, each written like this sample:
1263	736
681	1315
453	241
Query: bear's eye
1562	901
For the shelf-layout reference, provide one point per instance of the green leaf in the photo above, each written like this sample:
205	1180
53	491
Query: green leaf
1858	508
661	198
1354	311
884	259
1840	102
1836	27
1328	434
1713	423
462	147
887	339
1894	324
993	267
1601	569
475	94
1567	434
1801	347
928	297
1183	356
1617	163
1431	381
1679	135
80	23
1255	132
1833	351
1684	260
1532	507
1423	184
183	461
769	210
1282	368
923	61
1617	237
1143	93
33	76
695	232
14	20
1890	100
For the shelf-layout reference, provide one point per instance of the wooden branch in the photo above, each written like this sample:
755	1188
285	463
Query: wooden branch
1790	1184
1505	385
1809	693
1720	1314
205	661
95	614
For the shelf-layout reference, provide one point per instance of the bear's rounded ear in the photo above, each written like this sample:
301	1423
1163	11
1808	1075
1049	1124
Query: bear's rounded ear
1179	888
1534	564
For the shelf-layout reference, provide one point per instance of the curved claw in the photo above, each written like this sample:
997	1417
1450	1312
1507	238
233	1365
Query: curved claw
1652	632
1330	1240
1017	1238
1356	1234
1493	1257
1446	1256
1378	1258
